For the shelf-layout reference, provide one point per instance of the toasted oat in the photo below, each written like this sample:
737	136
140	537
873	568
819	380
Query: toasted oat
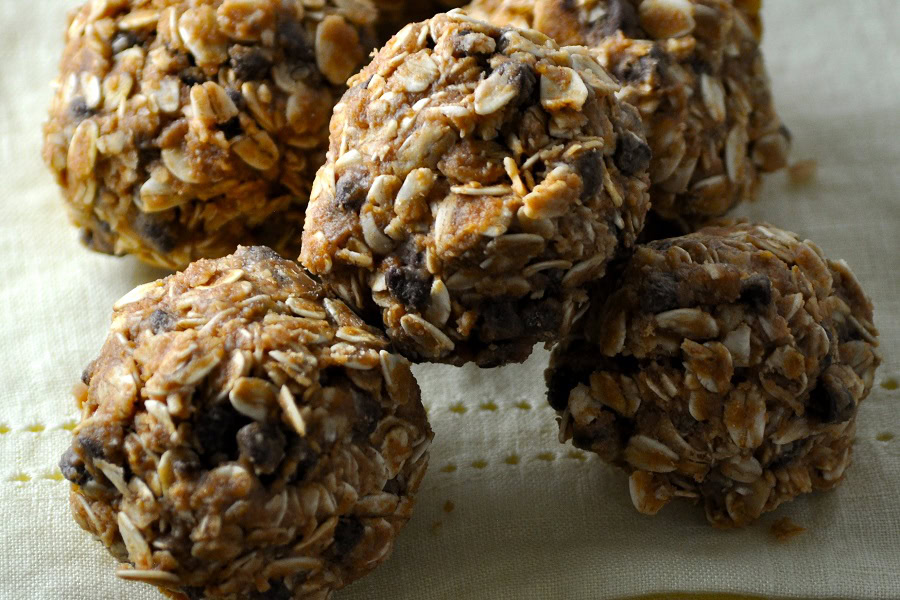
694	70
785	529
241	432
726	366
180	129
478	180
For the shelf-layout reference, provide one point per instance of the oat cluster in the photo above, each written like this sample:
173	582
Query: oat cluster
181	128
694	70
727	367
245	436
477	179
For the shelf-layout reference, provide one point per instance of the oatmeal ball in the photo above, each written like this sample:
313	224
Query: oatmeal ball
245	436
181	128
478	178
727	368
695	71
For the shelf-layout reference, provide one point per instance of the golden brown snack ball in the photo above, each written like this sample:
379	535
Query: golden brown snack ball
695	71
181	128
726	367
478	179
244	436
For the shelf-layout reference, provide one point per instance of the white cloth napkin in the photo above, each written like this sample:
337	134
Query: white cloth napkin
530	518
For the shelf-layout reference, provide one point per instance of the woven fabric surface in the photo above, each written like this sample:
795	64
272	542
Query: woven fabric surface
506	512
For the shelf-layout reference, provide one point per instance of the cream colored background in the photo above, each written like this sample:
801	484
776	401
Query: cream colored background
560	528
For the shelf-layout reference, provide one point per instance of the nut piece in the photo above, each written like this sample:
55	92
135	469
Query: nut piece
694	71
726	366
181	129
241	431
479	179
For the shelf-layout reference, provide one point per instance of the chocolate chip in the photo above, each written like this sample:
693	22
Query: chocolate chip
409	285
278	591
302	458
659	293
88	373
560	383
368	413
543	317
589	167
237	97
632	153
352	188
700	66
249	62
756	291
124	40
160	320
193	593
191	76
231	128
79	110
91	446
602	435
156	230
72	467
348	533
295	41
522	77
830	401
215	430
186	464
620	15
262	444
499	321
395	486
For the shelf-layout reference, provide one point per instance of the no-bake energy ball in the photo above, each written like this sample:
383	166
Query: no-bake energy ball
695	71
727	368
181	128
478	178
244	436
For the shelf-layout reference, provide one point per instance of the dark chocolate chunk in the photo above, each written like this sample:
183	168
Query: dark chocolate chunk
249	62
215	430
395	486
756	291
602	435
297	45
303	457
522	77
591	170
830	401
632	153
348	533
160	320
192	76
156	230
368	413
262	444
237	97
499	321
193	593
409	285
659	293
91	446
278	591
231	128
72	467
352	188
88	373
79	110
186	464
561	382
620	15
543	317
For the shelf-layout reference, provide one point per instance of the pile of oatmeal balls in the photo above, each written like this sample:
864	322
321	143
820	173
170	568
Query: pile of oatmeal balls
349	186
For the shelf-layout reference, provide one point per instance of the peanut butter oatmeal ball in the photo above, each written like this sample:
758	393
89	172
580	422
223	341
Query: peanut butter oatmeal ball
181	128
727	368
695	71
245	436
478	178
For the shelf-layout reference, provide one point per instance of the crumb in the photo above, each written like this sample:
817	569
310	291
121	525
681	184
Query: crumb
449	506
803	172
784	529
